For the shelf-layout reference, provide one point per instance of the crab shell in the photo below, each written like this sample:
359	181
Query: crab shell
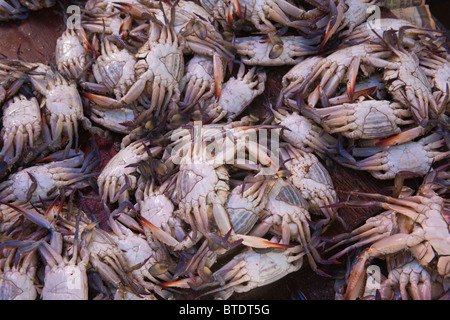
237	93
70	55
50	177
16	285
21	126
256	51
112	177
65	282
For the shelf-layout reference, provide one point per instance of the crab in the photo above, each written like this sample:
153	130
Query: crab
368	31
202	188
147	259
287	218
114	72
11	219
246	271
65	277
104	17
17	281
303	133
296	79
44	181
427	237
65	268
245	205
309	175
408	84
22	127
198	83
156	213
13	74
159	70
72	53
18	9
344	64
261	13
63	107
414	156
375	228
357	12
437	70
366	119
116	180
262	52
412	279
237	94
195	25
104	254
115	120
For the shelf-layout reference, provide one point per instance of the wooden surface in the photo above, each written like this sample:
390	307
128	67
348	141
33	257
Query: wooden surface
36	39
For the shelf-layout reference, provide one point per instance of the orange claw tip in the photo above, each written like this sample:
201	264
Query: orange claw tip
391	141
147	223
218	89
277	245
176	283
88	95
238	9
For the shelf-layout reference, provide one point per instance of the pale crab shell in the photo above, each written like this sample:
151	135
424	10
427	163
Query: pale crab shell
296	78
414	156
16	285
113	119
357	12
65	282
198	81
70	55
158	209
115	69
409	85
304	134
256	51
249	269
242	211
369	119
166	62
288	203
312	179
49	179
411	273
238	93
21	122
138	251
113	174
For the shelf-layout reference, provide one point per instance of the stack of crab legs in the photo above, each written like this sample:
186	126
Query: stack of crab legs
219	186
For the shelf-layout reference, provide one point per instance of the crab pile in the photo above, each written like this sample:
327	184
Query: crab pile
219	184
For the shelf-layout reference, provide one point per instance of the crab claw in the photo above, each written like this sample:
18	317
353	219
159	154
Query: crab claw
401	138
260	243
356	280
158	233
102	101
187	283
32	215
351	76
218	74
336	17
134	10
